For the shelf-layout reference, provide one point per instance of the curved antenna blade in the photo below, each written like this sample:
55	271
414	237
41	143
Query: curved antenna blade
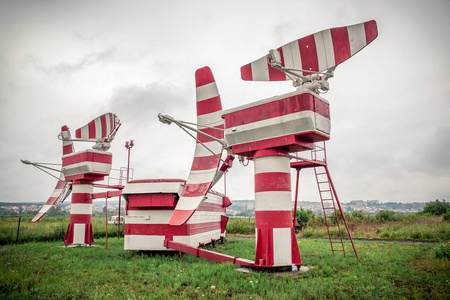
62	189
317	52
206	161
101	127
60	193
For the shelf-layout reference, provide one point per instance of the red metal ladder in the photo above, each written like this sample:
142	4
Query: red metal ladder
328	197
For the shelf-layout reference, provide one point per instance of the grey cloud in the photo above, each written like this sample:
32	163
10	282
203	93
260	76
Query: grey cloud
84	62
138	105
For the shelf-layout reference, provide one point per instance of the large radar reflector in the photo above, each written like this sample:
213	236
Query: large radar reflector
317	52
208	151
102	127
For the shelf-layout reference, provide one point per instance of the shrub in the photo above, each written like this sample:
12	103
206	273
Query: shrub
241	226
304	216
442	251
436	208
446	217
386	215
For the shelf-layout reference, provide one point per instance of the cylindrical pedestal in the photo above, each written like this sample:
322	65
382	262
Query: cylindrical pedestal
79	230
276	244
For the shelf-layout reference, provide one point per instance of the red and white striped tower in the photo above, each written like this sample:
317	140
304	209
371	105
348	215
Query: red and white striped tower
79	230
276	244
83	168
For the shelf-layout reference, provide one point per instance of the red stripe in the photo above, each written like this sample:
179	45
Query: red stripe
166	229
285	106
264	247
51	200
271	152
203	76
275	181
152	200
195	190
81	198
274	74
68	149
301	142
157	180
104	128
87	156
78	133
308	54
212	207
246	72
38	216
205	162
217	133
111	124
371	31
282	58
179	217
341	44
322	108
273	219
91	127
209	106
59	185
80	218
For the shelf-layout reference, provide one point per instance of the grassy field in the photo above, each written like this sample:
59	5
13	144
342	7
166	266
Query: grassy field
38	266
404	227
384	270
47	229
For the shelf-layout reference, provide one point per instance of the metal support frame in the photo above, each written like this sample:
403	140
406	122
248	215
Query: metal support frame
316	163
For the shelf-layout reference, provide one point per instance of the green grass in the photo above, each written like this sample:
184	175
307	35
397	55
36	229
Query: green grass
47	229
384	270
402	227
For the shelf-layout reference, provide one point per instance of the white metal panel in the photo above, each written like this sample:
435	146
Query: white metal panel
153	188
212	119
79	231
148	216
260	70
273	201
357	37
81	208
206	91
145	242
270	164
282	248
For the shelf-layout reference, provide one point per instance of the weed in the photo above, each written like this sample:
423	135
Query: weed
442	251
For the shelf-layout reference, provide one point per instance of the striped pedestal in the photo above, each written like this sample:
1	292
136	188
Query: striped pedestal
80	226
276	244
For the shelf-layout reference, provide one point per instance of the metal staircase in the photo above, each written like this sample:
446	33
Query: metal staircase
331	206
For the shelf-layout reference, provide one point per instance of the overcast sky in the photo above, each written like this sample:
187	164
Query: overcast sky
67	62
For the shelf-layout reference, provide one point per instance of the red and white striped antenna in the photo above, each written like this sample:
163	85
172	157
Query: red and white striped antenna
205	171
310	61
101	130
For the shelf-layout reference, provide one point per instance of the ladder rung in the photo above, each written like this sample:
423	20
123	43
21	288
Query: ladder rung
335	233
332	225
338	250
328	208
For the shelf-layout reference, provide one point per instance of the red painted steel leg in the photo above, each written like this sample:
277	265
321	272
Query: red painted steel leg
276	245
80	226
